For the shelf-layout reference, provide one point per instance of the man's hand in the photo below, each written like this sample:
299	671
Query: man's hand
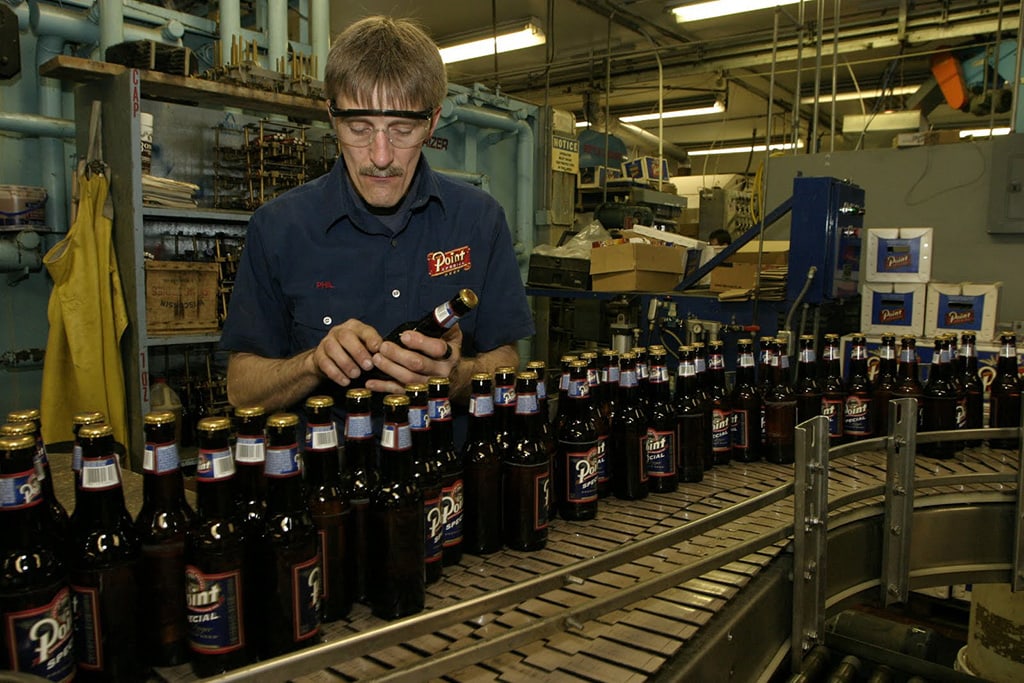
423	357
346	351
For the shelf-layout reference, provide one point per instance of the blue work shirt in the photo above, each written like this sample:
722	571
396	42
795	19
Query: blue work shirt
315	257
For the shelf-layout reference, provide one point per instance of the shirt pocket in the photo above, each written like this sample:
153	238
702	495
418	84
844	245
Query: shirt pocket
313	316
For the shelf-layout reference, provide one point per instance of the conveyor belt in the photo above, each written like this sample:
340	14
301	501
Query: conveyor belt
686	588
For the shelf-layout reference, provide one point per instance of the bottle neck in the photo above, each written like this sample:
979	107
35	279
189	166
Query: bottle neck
1007	362
215	480
283	472
396	456
322	466
359	442
99	496
578	398
440	412
528	415
162	482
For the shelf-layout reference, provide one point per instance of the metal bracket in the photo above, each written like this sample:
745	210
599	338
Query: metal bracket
899	500
810	511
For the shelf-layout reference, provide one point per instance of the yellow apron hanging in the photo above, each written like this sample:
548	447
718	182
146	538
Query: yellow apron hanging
82	369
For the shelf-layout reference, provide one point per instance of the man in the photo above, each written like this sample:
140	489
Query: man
331	266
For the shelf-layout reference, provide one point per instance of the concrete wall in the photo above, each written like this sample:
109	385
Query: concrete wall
945	187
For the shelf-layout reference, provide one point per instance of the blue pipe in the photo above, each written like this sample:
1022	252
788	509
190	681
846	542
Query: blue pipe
51	149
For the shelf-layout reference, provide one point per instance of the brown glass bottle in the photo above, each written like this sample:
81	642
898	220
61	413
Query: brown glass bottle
1004	401
859	409
327	505
482	464
105	558
576	464
745	418
629	433
609	381
780	411
721	407
604	475
360	477
642	374
661	450
35	598
806	387
395	582
938	402
292	576
885	383
550	443
971	386
162	525
525	478
504	420
764	382
79	420
563	389
693	432
442	439
427	473
221	619
58	515
250	488
701	362
833	389
908	383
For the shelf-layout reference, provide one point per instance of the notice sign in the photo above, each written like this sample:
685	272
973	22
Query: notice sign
565	154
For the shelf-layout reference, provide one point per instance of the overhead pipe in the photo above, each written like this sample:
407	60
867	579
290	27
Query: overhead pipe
320	33
76	26
51	149
111	18
230	27
34	124
277	35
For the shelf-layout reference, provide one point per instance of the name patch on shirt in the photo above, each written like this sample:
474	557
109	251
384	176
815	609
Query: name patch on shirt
448	262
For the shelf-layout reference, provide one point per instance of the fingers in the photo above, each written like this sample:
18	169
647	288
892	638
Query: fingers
423	357
346	351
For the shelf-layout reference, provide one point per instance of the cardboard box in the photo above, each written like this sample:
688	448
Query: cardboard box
645	168
633	267
892	307
597	176
899	255
740	270
962	307
181	297
559	273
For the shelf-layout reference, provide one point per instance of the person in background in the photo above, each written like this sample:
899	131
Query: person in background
719	238
331	266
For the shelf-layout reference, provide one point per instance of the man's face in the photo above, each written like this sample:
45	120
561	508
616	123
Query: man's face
380	171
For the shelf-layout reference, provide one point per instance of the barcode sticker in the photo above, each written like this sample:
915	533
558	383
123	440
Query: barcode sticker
322	437
100	473
251	450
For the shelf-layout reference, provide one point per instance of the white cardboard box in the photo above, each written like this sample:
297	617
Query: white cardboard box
894	307
962	307
899	255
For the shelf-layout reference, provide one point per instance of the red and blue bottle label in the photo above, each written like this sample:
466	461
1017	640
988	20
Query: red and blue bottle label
396	437
541	498
283	462
214	611
321	437
251	450
88	628
214	465
307	589
526	404
439	409
160	458
358	426
451	512
833	410
418	418
504	396
100	474
739	430
581	475
20	490
603	466
720	424
481	405
41	639
433	531
857	417
659	454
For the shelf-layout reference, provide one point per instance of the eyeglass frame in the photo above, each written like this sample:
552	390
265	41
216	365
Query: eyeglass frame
423	115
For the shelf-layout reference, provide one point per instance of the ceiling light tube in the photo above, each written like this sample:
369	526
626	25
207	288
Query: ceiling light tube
779	146
984	132
862	94
699	11
717	108
521	36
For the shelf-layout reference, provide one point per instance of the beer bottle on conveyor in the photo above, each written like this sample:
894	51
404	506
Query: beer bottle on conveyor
34	595
701	363
482	464
291	574
395	583
642	374
427	473
806	387
435	323
563	389
629	434
360	477
885	383
442	439
609	381
859	410
79	420
604	480
1004	405
327	504
833	389
693	432
939	402
721	408
525	477
250	489
661	451
970	384
105	557
576	471
745	418
58	515
550	443
162	524
220	617
908	383
504	420
764	382
780	411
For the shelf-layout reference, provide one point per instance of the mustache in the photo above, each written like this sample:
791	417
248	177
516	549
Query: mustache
389	172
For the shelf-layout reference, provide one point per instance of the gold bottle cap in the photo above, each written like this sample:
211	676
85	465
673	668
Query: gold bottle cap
319	402
17	443
23	415
469	298
480	376
528	375
283	420
438	381
18	429
358	393
249	411
420	386
395	400
87	417
95	431
213	424
537	365
505	370
158	417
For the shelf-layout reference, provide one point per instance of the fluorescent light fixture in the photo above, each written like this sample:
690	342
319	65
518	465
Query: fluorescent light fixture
699	11
779	146
984	132
716	108
862	94
515	37
583	124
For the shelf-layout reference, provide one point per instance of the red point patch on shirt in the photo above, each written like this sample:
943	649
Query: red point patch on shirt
448	262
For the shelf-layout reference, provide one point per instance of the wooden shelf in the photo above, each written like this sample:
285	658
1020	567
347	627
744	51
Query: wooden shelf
188	90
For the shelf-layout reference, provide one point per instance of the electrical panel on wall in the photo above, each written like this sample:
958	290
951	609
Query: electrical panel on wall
1006	186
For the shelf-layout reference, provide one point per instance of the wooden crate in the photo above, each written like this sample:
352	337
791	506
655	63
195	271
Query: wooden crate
181	297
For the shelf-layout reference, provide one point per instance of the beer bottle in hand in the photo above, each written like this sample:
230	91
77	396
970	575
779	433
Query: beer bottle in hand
806	388
885	383
661	451
442	439
970	383
939	402
1004	406
395	582
292	577
327	504
745	419
833	390
576	470
220	617
162	525
427	473
693	431
58	515
105	557
721	408
525	474
34	595
360	478
780	411
482	463
629	433
859	411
